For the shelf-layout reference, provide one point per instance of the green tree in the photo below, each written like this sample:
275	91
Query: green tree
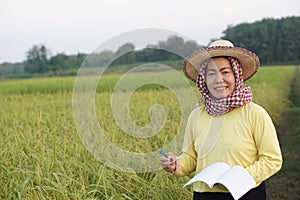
191	46
101	59
175	45
59	62
125	54
275	41
37	59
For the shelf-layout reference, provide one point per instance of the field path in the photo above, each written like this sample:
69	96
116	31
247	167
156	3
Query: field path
286	184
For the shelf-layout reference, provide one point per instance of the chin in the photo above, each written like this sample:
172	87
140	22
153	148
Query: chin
220	96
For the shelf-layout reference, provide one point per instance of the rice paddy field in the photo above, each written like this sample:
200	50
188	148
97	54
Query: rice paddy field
43	157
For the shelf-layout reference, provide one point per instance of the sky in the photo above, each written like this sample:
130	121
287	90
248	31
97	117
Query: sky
80	26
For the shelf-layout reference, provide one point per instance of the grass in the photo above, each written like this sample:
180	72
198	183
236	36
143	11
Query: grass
287	180
42	156
271	89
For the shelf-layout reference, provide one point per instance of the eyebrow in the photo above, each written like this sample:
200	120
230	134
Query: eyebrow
225	68
220	69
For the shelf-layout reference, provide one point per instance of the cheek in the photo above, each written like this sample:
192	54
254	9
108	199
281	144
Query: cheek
232	83
209	84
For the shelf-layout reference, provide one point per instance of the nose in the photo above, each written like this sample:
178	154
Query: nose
219	78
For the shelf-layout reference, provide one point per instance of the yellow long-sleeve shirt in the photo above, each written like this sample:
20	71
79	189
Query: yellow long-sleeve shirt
245	136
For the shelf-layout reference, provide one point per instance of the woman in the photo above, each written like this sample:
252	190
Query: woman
229	127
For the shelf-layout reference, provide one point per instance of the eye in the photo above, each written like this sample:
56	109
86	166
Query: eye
226	72
211	73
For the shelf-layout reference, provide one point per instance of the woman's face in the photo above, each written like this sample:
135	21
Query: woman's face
220	80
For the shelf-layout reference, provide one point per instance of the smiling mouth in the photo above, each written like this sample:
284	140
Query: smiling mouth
221	88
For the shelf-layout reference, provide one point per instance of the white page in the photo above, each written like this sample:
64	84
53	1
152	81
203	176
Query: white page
210	174
238	181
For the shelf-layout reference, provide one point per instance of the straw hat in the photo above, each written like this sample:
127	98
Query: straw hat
248	60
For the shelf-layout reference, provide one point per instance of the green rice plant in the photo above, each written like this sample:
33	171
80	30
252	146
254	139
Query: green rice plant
139	113
42	156
271	89
36	85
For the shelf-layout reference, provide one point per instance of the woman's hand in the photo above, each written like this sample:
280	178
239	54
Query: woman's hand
168	164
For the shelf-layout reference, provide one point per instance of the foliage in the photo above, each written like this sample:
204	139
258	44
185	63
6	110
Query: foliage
125	54
43	157
37	59
61	62
275	41
8	69
174	48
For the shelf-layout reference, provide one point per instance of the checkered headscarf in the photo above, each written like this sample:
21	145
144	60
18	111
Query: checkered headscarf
240	96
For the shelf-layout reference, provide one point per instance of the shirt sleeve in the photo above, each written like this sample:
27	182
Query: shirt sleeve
187	161
268	150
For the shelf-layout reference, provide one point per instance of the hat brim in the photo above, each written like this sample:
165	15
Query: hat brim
248	60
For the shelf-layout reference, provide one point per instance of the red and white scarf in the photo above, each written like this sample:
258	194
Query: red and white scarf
240	96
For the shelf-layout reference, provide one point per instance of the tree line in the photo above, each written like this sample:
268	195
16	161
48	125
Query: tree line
275	41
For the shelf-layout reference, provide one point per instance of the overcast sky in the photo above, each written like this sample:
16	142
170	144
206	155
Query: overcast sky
72	26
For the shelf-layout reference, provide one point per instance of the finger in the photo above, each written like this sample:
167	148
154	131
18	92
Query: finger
164	159
166	164
171	156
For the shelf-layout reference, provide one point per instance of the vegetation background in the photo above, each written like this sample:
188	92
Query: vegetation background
275	41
